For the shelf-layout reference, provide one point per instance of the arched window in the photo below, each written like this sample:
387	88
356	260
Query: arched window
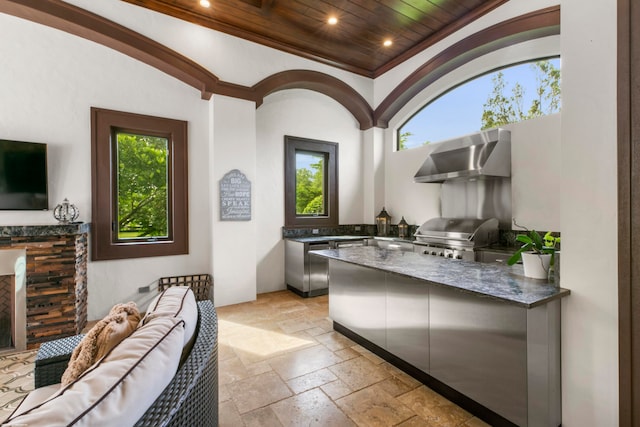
508	95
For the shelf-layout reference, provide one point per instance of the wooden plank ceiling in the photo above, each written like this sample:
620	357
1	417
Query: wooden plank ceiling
354	43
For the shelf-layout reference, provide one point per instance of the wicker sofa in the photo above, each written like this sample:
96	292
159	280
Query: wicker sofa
191	397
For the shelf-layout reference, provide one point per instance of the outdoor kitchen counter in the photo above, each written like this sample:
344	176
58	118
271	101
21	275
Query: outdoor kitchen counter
502	282
480	334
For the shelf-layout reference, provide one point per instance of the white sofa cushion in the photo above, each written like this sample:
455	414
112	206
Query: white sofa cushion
118	389
36	397
178	302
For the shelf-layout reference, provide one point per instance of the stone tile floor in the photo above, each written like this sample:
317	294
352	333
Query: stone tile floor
281	364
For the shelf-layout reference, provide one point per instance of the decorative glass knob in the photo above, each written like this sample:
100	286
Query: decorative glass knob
65	212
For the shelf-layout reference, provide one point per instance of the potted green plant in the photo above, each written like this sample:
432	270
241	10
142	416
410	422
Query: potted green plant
536	253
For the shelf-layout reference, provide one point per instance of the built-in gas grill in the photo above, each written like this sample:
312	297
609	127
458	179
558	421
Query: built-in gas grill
454	237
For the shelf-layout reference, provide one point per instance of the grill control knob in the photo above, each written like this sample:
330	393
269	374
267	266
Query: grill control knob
449	255
433	253
440	253
458	256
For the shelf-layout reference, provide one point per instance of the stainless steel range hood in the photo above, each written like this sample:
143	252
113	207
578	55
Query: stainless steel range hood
486	153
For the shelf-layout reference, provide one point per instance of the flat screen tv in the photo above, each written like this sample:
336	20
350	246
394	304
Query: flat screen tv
23	175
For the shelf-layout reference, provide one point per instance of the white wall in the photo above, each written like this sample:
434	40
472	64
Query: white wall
48	82
304	114
234	242
589	214
536	173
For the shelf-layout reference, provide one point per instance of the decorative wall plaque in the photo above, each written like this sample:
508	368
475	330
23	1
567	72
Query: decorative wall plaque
235	197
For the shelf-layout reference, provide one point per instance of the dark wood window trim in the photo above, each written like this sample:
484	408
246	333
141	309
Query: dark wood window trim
628	212
104	242
341	92
330	149
541	23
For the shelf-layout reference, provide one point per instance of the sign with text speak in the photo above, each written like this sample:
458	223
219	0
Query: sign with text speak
235	197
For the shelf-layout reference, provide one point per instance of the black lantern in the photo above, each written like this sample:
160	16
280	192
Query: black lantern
383	221
403	229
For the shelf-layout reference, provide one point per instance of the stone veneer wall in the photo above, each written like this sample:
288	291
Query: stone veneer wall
7	296
56	277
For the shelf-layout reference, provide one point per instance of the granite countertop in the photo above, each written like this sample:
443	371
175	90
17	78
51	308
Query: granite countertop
319	239
44	229
505	283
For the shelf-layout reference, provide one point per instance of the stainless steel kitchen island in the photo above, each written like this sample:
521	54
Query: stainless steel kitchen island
482	335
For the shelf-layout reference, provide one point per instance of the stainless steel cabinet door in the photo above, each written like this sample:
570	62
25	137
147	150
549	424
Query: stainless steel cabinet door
318	268
408	320
357	300
478	346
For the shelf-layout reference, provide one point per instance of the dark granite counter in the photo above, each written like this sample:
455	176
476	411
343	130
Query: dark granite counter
506	283
44	230
320	239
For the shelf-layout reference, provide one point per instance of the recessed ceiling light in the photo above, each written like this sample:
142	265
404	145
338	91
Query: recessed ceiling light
205	3
332	20
387	43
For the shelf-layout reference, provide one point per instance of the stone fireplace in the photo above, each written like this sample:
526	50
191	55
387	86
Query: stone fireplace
43	283
7	297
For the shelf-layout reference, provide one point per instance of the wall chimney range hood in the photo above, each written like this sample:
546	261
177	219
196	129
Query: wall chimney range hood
486	153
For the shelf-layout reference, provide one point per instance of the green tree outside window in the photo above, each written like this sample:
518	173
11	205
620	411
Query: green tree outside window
142	186
310	198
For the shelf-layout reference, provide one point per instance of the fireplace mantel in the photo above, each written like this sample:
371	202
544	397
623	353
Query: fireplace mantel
56	277
44	230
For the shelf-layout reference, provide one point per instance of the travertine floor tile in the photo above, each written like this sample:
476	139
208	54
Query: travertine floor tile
263	417
334	341
258	391
359	373
347	353
231	370
402	376
336	389
475	422
416	422
295	325
259	347
315	331
228	415
373	407
223	393
312	380
369	355
325	324
225	351
259	368
311	408
281	364
395	387
434	408
304	361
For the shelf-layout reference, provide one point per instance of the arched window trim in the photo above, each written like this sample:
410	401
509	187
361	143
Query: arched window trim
453	87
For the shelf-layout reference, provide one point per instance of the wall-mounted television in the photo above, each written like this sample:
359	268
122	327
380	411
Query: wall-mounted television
23	175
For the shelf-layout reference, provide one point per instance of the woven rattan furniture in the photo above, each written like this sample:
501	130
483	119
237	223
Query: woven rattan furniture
200	284
190	399
52	360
